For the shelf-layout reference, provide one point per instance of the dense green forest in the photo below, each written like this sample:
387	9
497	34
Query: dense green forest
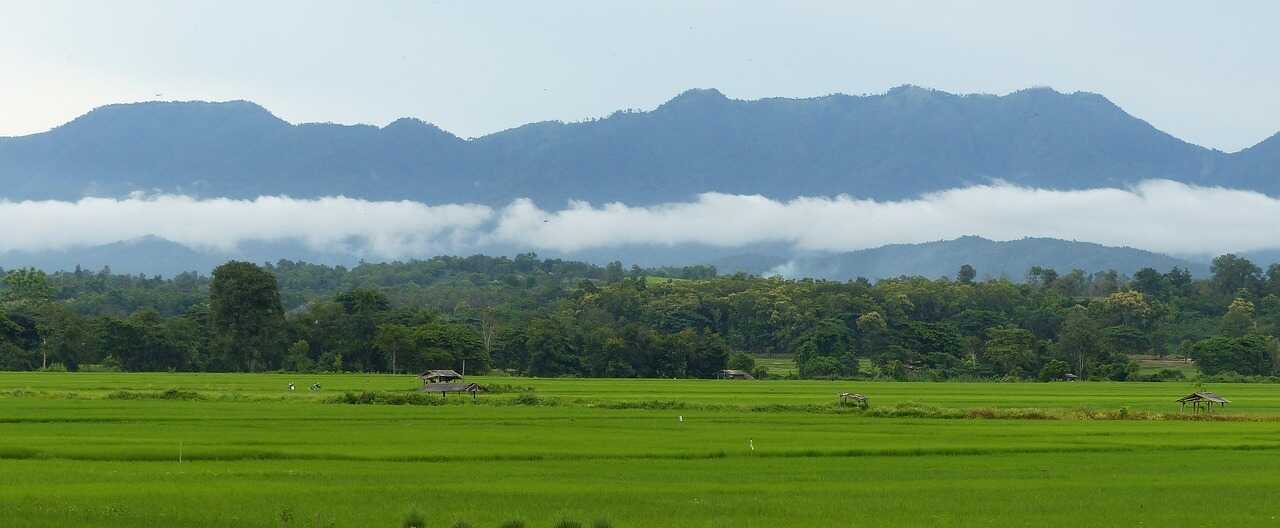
548	317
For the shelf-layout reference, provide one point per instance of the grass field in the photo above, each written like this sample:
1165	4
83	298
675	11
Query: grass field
777	365
784	365
103	450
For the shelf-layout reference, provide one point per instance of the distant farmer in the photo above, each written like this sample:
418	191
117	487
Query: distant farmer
291	387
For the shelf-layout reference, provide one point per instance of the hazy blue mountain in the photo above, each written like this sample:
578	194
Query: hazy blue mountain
233	149
1257	167
893	145
147	256
1012	259
156	256
1009	259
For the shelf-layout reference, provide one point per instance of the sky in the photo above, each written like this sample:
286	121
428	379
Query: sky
1206	72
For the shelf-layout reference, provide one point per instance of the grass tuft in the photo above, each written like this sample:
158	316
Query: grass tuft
414	519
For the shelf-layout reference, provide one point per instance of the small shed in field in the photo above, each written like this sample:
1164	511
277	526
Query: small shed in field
734	374
440	376
445	388
854	399
1202	400
452	387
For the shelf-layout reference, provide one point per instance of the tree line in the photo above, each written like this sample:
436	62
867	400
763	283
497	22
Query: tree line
550	317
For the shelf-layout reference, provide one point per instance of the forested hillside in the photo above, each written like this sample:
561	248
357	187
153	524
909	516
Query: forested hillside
554	318
899	144
1010	259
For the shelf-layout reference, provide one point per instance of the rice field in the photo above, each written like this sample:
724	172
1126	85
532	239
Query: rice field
777	365
109	449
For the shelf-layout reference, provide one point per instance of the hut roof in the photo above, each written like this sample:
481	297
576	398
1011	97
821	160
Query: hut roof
731	373
452	387
440	374
1203	396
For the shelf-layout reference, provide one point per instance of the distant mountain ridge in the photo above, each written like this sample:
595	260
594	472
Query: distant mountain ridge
1009	259
899	144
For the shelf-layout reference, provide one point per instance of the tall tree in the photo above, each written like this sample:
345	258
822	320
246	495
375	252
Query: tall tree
1080	339
394	341
1010	349
26	286
246	315
1232	273
1238	321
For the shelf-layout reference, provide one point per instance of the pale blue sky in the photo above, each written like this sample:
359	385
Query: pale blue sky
1207	72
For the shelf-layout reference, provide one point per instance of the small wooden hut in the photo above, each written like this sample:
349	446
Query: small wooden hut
445	381
440	376
1202	401
734	374
854	399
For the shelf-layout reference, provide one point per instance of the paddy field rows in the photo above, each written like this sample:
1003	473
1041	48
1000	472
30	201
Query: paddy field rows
102	450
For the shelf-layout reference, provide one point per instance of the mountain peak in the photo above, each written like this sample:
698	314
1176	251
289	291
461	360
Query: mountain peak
696	96
911	90
175	114
416	128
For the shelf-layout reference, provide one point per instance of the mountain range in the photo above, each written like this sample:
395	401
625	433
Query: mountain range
890	146
992	259
895	145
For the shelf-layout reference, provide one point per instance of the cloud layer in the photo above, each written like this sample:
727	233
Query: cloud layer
388	229
1157	215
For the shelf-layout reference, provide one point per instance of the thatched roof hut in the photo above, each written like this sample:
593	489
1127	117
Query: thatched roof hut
440	376
452	387
1203	399
445	388
734	374
854	399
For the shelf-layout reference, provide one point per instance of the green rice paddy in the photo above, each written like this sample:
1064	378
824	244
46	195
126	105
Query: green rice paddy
103	449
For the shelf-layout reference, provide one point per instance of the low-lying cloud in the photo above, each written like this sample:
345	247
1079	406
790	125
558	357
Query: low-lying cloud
388	229
1157	215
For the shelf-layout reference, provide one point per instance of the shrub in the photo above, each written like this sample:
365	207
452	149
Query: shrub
567	523
602	523
388	398
742	361
513	523
822	367
502	388
527	398
895	370
171	394
760	372
1055	369
414	519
